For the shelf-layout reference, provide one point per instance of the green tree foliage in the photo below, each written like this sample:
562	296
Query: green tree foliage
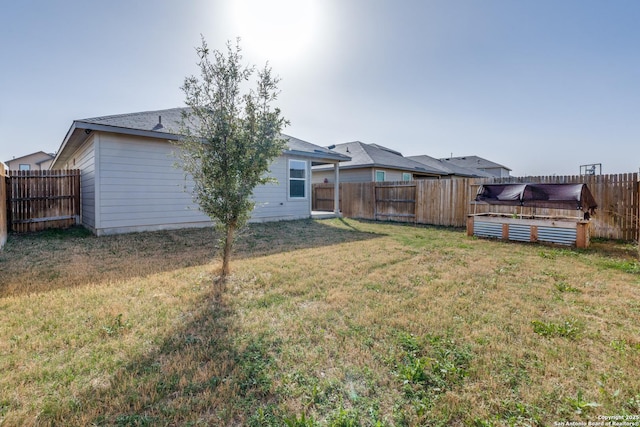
230	138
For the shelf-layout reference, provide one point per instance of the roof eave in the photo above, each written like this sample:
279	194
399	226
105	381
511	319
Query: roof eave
329	157
410	169
87	128
128	131
380	165
65	141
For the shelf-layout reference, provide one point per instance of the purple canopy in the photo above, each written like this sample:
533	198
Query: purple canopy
558	196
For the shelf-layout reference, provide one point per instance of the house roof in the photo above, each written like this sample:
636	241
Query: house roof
474	162
449	167
373	155
49	157
165	124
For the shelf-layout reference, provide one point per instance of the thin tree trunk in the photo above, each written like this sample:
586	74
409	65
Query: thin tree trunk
226	252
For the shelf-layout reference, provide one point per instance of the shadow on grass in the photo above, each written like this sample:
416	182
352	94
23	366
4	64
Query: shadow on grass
207	372
614	249
40	262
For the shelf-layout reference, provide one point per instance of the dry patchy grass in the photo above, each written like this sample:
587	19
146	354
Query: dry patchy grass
336	322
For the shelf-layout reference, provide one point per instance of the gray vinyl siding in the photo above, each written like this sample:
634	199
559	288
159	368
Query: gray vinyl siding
139	187
272	199
84	159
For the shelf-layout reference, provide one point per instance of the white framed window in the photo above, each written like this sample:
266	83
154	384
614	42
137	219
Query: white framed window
406	176
24	167
297	179
380	176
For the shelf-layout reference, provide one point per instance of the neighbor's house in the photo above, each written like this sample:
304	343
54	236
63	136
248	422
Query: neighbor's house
129	182
372	162
484	165
453	170
34	161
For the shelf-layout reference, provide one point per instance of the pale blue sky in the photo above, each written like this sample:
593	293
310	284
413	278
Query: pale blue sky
540	86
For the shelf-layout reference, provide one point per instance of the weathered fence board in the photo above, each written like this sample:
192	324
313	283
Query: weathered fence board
395	201
356	199
322	197
39	200
442	202
618	213
448	202
3	206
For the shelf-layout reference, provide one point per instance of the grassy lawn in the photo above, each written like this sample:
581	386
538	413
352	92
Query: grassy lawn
335	322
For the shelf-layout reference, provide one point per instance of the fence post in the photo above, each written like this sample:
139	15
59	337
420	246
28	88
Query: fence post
3	207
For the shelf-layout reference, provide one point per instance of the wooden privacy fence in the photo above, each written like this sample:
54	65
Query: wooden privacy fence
3	207
437	202
38	200
617	196
448	202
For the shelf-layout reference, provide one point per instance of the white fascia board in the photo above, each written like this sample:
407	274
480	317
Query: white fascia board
128	131
328	157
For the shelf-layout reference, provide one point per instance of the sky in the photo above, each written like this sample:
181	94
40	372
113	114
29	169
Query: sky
539	86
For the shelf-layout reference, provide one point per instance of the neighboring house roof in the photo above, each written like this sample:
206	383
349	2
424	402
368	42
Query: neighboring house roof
386	149
46	156
51	157
165	124
373	155
449	167
474	162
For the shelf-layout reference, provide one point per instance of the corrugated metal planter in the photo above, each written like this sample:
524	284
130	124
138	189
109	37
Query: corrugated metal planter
560	231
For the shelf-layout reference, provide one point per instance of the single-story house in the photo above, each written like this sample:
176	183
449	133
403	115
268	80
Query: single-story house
484	165
129	182
372	162
34	161
453	170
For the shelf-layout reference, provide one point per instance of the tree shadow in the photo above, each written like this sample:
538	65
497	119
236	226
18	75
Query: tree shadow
207	372
41	262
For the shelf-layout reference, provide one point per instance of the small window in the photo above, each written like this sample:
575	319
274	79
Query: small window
380	176
24	167
406	176
297	179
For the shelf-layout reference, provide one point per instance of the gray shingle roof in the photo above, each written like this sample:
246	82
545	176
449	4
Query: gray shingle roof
473	162
298	145
373	155
165	124
165	121
451	168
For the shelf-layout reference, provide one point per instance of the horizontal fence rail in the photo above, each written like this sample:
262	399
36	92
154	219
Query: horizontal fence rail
448	202
38	200
395	202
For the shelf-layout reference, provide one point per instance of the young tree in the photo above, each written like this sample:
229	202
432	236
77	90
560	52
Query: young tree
230	139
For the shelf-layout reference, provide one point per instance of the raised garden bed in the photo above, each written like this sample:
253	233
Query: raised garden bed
570	231
560	231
